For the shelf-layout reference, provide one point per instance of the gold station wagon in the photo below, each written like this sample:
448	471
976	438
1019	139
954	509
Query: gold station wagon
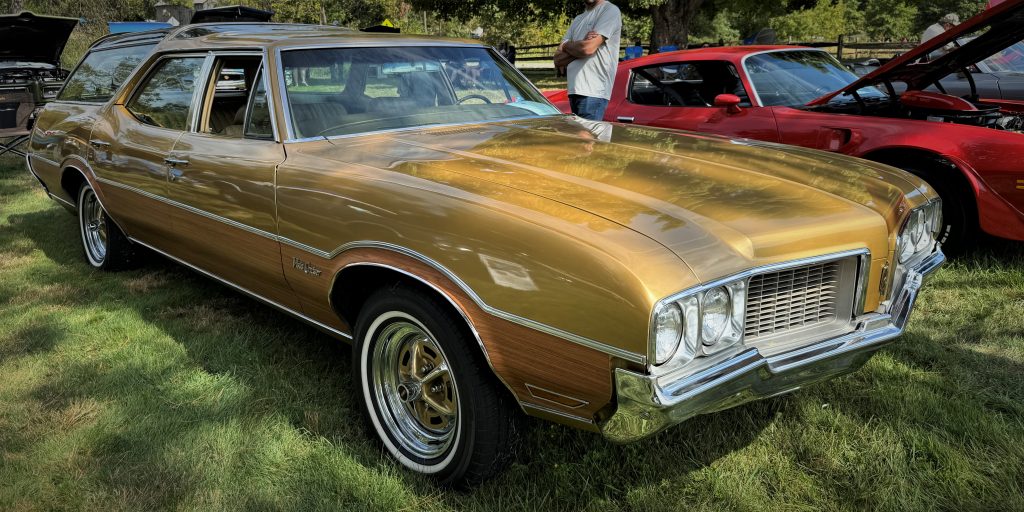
482	251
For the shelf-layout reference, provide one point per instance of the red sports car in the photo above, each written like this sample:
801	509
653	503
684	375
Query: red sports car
970	150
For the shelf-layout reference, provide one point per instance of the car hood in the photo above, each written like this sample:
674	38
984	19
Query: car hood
720	205
28	37
1004	24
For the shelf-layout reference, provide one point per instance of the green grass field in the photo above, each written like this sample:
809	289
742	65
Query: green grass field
159	389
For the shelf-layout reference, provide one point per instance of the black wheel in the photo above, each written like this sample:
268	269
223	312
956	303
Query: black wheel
959	216
428	395
106	247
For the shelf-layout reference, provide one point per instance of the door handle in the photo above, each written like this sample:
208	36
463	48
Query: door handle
174	173
99	143
175	162
625	119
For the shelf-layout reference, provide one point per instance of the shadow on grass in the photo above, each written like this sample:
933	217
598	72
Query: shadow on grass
186	308
261	367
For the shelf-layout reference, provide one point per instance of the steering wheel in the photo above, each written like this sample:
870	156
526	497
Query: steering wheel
475	97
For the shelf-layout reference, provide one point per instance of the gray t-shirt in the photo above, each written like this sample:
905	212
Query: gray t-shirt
594	75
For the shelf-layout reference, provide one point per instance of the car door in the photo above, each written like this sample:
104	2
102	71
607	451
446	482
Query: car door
681	95
132	141
222	171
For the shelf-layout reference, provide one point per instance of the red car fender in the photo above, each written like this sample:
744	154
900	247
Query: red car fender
995	215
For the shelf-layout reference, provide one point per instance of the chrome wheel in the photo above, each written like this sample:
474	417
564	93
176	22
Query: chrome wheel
94	226
415	390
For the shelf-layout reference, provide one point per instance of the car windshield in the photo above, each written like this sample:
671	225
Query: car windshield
343	91
795	78
1009	60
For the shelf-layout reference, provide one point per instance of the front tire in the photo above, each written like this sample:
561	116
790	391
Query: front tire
427	393
960	228
106	247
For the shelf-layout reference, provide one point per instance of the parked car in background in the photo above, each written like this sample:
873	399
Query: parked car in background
1000	76
30	72
482	251
971	151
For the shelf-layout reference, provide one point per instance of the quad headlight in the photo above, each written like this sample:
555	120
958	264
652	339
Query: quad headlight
702	323
920	231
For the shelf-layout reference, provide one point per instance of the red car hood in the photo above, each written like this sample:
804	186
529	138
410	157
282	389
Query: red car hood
1005	23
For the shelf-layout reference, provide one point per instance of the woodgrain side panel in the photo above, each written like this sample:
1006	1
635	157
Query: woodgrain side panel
247	259
144	219
519	355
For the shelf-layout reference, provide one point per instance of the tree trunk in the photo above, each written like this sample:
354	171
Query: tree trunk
17	6
672	22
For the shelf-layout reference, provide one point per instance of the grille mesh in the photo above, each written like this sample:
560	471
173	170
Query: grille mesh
792	298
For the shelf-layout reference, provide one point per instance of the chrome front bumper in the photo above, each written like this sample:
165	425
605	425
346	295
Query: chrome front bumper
647	404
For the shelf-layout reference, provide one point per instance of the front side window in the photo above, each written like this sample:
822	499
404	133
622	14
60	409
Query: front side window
227	95
165	98
795	78
342	91
102	72
685	84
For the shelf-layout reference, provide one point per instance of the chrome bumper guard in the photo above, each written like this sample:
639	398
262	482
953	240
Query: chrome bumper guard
646	405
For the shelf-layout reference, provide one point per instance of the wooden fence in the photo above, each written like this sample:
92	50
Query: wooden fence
843	50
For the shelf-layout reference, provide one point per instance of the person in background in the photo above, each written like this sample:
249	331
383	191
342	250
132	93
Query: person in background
590	54
936	29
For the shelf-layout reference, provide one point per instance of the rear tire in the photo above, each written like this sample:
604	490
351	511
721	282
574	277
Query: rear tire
428	394
106	246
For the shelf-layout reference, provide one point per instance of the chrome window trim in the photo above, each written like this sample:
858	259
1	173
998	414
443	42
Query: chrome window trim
151	67
289	136
198	94
753	89
262	68
861	254
423	128
504	315
632	76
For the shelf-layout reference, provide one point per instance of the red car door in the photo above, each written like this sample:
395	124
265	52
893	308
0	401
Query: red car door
681	95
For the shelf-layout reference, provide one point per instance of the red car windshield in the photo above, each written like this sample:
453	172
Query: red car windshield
796	77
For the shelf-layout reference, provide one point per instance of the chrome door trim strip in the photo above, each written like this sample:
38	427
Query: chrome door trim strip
504	315
29	156
171	202
285	309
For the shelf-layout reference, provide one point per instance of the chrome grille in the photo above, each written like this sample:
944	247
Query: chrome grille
792	298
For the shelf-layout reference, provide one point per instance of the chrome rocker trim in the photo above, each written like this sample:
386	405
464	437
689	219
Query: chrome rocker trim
646	405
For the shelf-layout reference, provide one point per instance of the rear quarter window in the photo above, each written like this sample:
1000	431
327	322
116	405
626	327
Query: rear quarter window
101	72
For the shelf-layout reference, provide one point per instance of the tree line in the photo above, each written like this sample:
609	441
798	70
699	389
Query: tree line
655	22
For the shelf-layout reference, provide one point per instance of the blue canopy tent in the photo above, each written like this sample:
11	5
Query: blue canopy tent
121	27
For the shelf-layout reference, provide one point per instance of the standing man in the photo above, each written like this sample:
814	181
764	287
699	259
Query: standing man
590	54
935	30
945	23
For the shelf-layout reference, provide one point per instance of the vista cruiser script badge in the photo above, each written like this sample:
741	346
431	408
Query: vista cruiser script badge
306	268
